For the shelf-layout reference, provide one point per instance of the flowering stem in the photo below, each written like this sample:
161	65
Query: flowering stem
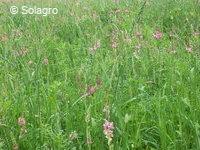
87	120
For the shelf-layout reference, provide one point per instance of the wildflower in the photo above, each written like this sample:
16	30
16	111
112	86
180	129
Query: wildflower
114	38
45	61
138	46
16	33
158	35
21	121
15	147
3	38
127	39
114	44
189	49
108	128
96	46
138	35
91	90
116	11
126	11
73	136
22	52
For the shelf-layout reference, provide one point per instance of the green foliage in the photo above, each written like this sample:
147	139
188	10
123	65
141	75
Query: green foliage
66	73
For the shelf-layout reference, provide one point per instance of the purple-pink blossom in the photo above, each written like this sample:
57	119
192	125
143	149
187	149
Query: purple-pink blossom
158	35
91	90
21	121
108	128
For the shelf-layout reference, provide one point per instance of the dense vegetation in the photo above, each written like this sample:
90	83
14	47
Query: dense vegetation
101	74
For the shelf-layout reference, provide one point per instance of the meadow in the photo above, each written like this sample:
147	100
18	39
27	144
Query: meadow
100	74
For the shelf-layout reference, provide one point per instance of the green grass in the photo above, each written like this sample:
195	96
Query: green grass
152	94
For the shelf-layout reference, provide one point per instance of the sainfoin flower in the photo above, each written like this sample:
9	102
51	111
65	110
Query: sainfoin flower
45	61
138	35
91	90
114	44
127	39
21	121
138	46
108	128
4	38
73	135
189	49
96	46
15	147
16	33
114	38
22	52
158	35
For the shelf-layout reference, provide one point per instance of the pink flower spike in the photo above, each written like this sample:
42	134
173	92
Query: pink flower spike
158	35
91	90
108	125
108	128
21	121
